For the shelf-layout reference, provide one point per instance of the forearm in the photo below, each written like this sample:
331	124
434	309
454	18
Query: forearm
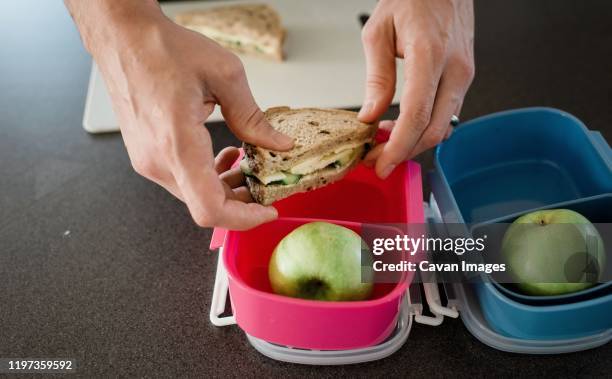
104	22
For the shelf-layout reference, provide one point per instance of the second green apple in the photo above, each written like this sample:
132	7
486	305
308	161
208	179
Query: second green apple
554	252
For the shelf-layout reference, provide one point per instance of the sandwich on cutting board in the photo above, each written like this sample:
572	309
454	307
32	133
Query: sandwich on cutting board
327	144
253	29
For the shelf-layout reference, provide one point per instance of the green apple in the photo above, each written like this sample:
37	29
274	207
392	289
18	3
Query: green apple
320	261
553	252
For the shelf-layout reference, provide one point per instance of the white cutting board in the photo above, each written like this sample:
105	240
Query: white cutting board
325	65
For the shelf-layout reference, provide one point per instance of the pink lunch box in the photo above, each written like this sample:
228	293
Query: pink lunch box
357	201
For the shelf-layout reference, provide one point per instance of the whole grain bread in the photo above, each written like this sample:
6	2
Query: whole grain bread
255	22
315	131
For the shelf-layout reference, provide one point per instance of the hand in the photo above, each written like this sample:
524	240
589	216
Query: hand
164	82
435	38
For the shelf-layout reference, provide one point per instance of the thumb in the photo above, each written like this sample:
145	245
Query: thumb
379	51
246	120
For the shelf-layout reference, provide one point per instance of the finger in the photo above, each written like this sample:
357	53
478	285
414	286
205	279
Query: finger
386	124
451	128
243	194
229	193
226	158
240	221
449	132
238	215
448	100
204	192
370	159
437	128
374	153
421	77
379	49
210	204
233	177
244	117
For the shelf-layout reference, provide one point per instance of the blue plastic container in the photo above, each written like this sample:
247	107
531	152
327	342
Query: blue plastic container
497	167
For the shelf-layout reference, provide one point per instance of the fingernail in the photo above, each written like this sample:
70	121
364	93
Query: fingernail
387	171
367	108
386	124
273	212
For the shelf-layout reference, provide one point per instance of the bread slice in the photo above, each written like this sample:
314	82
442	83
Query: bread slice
327	144
253	29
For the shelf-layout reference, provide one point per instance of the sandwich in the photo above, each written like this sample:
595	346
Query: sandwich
253	29
327	144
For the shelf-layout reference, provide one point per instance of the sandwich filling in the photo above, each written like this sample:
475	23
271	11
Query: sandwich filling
338	158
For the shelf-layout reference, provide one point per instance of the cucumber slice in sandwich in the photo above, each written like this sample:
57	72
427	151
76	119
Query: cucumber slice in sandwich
291	178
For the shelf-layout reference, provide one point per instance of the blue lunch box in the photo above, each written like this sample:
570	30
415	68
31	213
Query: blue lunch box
500	166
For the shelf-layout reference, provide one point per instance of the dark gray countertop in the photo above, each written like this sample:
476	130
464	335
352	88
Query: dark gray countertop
98	264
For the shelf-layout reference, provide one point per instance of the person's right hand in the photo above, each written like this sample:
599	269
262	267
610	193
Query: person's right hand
164	82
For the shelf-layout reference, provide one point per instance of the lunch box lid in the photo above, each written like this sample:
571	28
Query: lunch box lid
342	357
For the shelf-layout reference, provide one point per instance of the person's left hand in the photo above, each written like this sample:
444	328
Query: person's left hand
435	38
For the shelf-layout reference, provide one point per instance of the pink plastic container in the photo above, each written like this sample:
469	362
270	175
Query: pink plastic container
357	199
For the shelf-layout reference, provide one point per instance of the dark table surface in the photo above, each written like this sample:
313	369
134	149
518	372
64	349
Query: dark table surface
98	264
